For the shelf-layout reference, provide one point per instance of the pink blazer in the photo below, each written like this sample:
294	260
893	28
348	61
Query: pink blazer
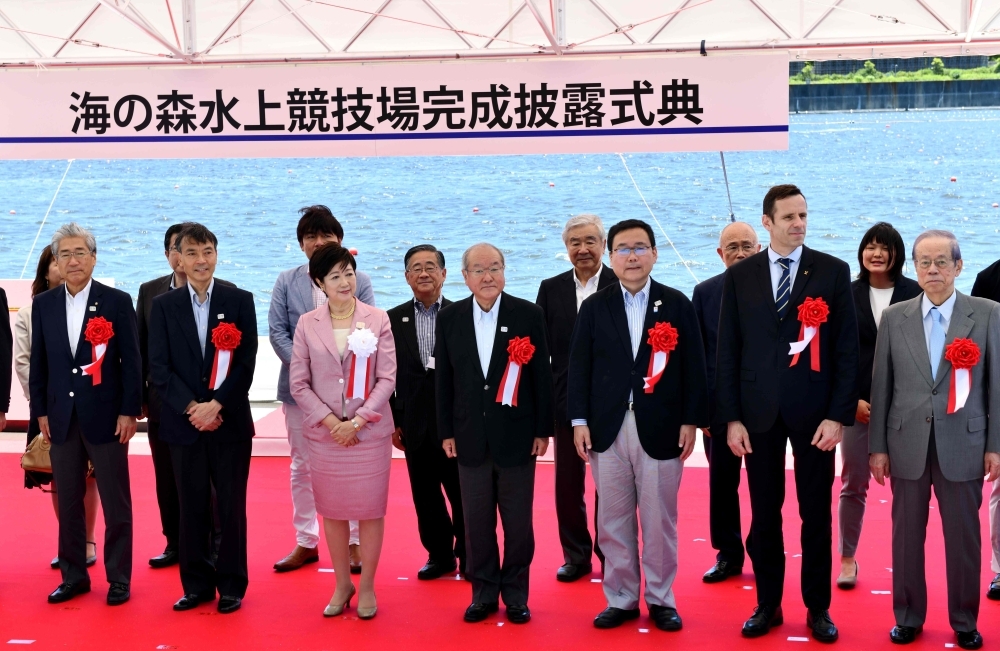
318	379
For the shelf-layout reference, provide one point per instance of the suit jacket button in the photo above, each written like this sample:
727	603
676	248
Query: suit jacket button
341	380
74	370
934	392
633	372
486	388
928	419
204	379
70	394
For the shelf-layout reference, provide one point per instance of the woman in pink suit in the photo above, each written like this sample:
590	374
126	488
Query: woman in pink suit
342	373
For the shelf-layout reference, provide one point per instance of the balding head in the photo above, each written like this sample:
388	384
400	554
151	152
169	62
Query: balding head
737	240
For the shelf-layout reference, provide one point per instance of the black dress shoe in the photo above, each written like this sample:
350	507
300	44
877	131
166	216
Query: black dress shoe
665	618
822	627
118	594
764	617
721	571
970	640
189	601
478	612
67	591
435	569
166	559
615	617
569	573
229	604
994	591
904	634
518	614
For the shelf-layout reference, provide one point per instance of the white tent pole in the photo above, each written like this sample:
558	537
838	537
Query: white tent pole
190	26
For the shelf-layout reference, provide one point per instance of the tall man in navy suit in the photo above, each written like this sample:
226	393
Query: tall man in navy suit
769	397
637	393
202	353
86	391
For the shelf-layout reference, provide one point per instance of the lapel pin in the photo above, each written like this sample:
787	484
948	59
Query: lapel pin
360	324
406	319
805	273
658	303
503	328
656	309
220	316
93	308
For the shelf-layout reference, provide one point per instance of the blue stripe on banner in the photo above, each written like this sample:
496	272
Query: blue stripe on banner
285	137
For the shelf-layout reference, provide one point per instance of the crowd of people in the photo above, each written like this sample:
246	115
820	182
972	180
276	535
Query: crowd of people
619	369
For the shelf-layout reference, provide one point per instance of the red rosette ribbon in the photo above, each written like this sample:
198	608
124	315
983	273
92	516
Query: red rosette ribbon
98	332
963	355
663	339
226	338
520	350
812	313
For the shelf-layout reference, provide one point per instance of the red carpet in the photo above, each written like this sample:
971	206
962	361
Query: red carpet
284	611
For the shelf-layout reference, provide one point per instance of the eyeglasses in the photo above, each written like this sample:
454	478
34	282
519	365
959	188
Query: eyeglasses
625	251
79	255
429	268
746	248
478	273
940	263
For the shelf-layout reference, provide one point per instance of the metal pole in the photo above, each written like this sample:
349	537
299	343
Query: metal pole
732	215
190	34
560	6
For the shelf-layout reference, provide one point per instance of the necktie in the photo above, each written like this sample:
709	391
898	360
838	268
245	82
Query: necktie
937	341
784	287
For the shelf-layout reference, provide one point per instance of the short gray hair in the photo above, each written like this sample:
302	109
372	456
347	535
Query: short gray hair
956	252
585	219
465	256
73	229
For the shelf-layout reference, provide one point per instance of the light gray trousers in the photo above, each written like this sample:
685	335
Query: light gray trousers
854	477
632	483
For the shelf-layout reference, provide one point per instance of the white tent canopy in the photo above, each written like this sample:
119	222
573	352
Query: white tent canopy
151	32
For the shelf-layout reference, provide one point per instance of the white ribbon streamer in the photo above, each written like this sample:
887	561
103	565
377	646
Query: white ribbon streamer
798	346
94	367
963	386
659	364
222	369
510	384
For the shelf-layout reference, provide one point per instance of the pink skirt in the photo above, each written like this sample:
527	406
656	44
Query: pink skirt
349	483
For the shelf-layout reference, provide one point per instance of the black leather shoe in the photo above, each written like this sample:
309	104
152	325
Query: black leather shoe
189	601
118	594
518	614
229	604
764	617
166	559
478	612
67	591
822	627
435	569
721	571
665	618
904	634
970	640
615	617
569	573
994	591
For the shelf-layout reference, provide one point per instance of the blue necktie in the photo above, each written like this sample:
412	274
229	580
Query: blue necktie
937	341
784	287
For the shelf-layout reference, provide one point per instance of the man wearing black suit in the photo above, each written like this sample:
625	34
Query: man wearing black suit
202	353
163	467
736	242
769	397
86	391
560	298
635	407
495	341
6	360
413	411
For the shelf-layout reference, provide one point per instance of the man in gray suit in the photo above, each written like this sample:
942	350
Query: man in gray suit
923	433
295	294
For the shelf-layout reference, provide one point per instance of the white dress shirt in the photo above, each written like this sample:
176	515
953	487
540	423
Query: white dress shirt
945	309
201	311
776	269
486	330
583	290
76	313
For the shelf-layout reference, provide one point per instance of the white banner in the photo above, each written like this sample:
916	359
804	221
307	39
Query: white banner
570	105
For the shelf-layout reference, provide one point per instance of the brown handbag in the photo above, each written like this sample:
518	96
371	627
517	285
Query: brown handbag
36	455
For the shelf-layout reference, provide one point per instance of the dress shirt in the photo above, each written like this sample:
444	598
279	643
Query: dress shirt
76	313
319	296
583	290
486	330
776	269
635	312
945	309
425	320
201	311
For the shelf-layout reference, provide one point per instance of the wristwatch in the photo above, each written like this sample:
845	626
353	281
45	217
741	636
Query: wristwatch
355	423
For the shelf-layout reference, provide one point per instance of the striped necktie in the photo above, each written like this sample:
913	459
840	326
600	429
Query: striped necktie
784	287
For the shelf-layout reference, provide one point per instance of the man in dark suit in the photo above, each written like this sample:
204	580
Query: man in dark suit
86	391
736	242
560	298
413	411
495	341
6	360
635	403
163	467
202	353
769	397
